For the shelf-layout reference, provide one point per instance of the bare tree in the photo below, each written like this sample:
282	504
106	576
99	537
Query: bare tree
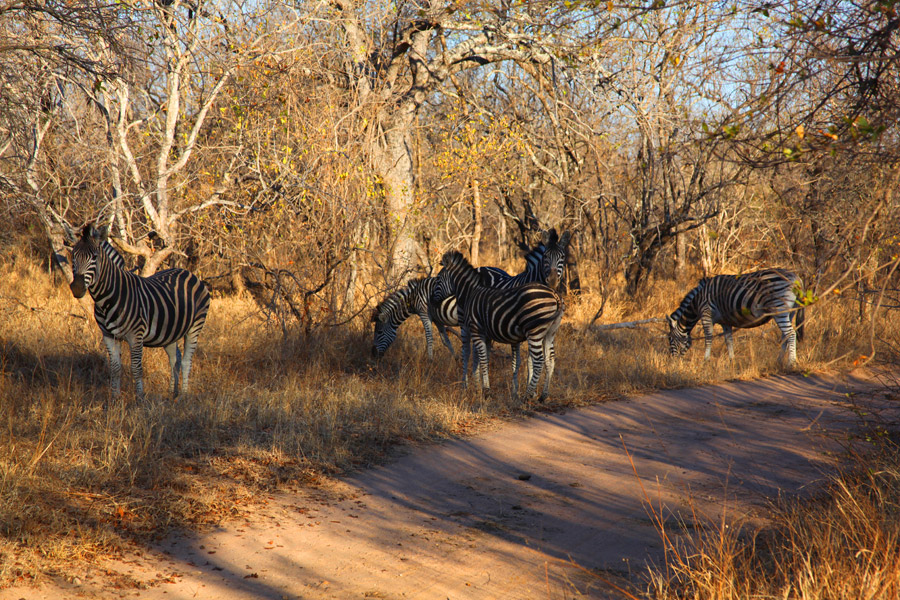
398	56
147	75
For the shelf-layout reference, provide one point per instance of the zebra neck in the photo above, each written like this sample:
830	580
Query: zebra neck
423	293
533	259
396	307
107	277
688	312
465	282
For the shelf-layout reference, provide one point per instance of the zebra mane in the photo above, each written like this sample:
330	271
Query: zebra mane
536	254
686	303
455	261
416	282
113	254
394	299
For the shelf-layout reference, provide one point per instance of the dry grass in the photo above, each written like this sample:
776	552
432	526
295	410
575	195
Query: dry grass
82	474
843	544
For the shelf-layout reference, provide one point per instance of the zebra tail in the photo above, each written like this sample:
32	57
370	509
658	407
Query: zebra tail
799	320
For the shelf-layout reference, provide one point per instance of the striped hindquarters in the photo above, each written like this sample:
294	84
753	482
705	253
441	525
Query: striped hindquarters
514	315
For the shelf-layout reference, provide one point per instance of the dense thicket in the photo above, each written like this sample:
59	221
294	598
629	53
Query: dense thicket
318	152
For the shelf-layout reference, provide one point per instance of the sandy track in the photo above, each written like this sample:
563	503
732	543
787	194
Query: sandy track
501	515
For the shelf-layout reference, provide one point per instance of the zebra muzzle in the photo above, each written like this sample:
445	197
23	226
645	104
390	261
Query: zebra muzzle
77	286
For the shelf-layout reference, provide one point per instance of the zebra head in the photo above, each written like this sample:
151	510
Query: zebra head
553	263
387	318
679	336
85	256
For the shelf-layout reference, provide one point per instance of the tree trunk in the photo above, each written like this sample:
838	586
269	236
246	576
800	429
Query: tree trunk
395	165
571	281
476	216
680	254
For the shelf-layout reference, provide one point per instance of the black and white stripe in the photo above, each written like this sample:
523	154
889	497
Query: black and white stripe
527	313
544	263
740	301
413	298
155	311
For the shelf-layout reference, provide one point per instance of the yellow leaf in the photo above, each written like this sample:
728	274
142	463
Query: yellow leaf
800	131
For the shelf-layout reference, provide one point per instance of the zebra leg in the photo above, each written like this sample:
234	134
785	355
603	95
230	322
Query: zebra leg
443	331
550	358
174	367
466	339
480	344
536	354
549	348
136	343
429	336
190	344
706	319
114	351
515	367
788	338
729	341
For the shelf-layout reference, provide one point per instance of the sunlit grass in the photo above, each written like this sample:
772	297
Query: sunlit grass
82	473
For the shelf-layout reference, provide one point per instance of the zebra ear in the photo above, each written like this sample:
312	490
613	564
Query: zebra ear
564	240
97	234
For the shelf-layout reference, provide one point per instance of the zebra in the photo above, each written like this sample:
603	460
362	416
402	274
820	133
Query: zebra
544	263
740	301
414	298
155	311
531	312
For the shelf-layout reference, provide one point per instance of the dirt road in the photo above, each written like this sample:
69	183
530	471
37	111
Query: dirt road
509	513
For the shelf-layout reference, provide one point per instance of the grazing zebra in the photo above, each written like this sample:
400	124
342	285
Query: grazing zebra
740	301
414	298
530	312
155	311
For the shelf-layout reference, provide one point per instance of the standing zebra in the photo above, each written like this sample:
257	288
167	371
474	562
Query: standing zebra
414	298
544	263
741	301
530	312
155	311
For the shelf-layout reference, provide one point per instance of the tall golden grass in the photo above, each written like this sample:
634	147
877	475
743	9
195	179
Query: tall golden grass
844	543
83	474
